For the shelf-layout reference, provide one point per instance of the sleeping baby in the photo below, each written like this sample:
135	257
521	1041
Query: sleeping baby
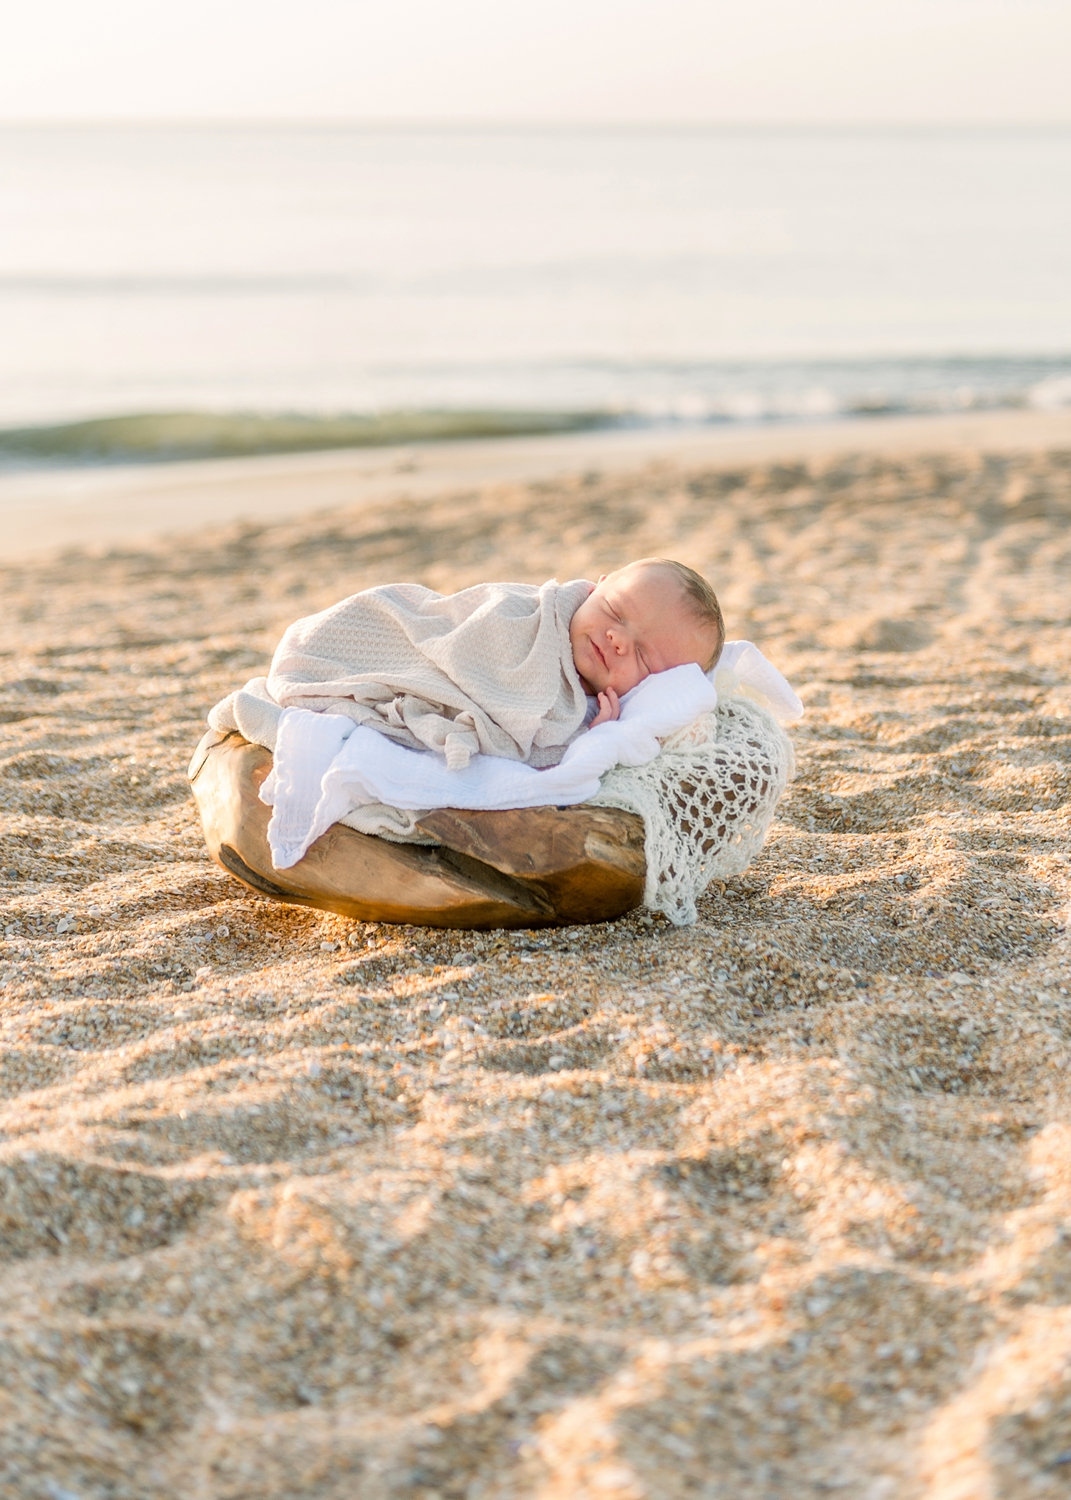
503	669
498	682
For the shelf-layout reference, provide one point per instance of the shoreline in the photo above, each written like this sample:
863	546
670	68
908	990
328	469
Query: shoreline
95	508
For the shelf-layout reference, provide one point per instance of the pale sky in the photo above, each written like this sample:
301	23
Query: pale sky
539	60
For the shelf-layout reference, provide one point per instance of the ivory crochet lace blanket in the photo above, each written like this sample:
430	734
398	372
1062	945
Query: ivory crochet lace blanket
708	798
486	671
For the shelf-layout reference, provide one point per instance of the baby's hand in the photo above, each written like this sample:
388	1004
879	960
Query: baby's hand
609	708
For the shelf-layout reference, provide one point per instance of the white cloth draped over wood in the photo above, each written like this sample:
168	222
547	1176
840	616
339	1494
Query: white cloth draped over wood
325	767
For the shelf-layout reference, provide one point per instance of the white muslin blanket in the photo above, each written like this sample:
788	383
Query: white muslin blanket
326	767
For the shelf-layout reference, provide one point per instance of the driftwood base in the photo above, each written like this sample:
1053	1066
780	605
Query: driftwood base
538	867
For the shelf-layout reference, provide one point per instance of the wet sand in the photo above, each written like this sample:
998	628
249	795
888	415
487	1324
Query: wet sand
777	1204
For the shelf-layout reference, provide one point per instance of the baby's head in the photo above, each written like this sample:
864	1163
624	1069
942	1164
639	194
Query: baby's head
644	618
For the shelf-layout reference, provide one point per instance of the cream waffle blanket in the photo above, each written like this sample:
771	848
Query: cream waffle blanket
485	671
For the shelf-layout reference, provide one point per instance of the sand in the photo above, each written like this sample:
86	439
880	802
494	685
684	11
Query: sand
776	1204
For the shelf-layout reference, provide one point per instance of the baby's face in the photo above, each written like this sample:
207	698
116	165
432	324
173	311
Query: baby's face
634	622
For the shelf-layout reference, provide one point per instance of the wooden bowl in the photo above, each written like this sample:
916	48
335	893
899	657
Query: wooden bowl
534	867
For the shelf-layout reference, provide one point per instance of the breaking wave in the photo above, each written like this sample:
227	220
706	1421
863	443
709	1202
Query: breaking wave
563	397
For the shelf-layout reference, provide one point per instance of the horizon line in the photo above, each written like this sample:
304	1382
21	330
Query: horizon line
504	123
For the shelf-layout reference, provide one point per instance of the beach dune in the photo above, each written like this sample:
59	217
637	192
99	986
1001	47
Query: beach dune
293	1206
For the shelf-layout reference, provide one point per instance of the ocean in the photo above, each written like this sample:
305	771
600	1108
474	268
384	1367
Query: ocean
181	290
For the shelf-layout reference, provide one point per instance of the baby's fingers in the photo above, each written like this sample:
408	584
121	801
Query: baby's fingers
609	708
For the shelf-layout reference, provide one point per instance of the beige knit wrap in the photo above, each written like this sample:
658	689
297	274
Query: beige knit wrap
489	669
